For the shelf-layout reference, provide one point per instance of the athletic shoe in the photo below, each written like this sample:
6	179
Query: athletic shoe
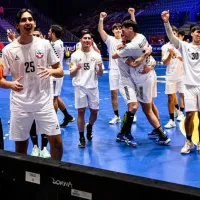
180	116
35	151
187	147
170	124
130	141
163	140
45	153
120	137
115	120
89	134
66	121
81	143
153	135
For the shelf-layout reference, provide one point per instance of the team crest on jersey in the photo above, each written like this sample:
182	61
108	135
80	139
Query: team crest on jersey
92	59
39	54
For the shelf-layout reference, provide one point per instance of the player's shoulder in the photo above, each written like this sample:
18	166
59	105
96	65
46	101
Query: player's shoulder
41	41
95	53
11	45
58	42
77	53
165	46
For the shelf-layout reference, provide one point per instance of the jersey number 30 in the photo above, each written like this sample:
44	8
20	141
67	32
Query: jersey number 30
29	66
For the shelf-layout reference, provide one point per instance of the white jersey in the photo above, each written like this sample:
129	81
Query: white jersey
112	43
174	69
136	74
86	76
23	60
191	62
58	48
134	49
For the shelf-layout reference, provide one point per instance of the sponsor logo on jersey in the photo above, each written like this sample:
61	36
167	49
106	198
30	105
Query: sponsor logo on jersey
57	127
39	54
17	57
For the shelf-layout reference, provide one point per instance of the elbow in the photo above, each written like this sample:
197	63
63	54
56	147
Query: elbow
115	56
61	74
165	62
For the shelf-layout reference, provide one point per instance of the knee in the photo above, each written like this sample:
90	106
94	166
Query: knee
94	112
81	112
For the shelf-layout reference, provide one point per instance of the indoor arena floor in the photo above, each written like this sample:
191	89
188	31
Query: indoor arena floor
147	160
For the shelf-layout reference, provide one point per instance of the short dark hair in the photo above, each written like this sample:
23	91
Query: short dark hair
84	32
181	32
37	29
115	25
130	23
195	28
20	13
57	29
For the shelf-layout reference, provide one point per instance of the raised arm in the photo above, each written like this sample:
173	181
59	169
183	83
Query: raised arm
173	39
132	14
101	30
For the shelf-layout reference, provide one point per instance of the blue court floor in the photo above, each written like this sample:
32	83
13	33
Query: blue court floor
147	160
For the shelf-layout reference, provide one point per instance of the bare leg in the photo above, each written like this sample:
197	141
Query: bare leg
21	146
56	147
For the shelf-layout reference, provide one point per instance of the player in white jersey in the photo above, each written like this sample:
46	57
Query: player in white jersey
54	35
114	75
191	63
28	58
172	59
86	66
37	151
133	79
179	104
93	46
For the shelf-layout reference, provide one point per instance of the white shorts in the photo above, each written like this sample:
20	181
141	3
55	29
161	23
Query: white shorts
127	90
172	87
147	90
21	122
192	98
86	98
114	79
57	86
155	92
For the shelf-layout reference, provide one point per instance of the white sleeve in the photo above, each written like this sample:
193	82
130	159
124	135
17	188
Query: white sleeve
108	40
72	64
6	64
173	39
51	56
125	51
165	52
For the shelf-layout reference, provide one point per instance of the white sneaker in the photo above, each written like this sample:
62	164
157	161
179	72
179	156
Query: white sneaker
115	120
176	112
180	116
170	124
198	147
134	119
36	151
187	147
45	153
